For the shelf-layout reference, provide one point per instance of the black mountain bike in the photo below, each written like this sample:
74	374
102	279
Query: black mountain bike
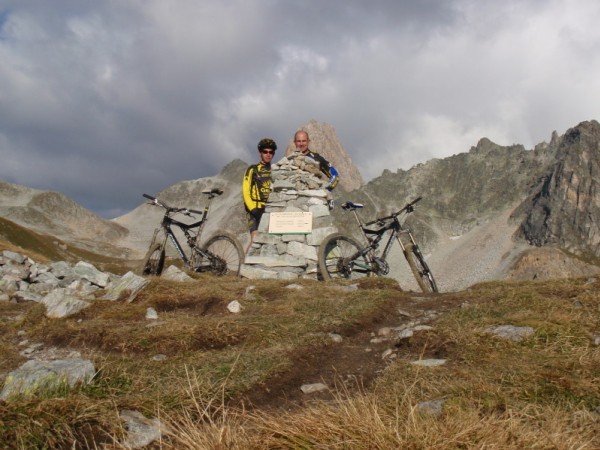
222	254
341	256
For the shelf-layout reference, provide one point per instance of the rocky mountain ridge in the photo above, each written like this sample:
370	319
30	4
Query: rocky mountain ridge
481	210
56	214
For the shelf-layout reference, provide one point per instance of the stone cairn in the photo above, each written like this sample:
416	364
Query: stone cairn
298	186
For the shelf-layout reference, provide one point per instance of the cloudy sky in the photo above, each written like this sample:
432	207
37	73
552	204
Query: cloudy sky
103	100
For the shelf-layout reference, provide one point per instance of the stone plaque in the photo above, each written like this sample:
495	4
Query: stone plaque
291	222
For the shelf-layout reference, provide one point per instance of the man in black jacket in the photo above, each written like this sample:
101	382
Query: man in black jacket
302	141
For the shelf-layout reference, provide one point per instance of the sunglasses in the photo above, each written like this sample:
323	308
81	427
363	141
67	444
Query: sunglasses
268	152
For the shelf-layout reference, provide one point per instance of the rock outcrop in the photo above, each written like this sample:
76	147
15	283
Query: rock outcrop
564	208
63	289
325	141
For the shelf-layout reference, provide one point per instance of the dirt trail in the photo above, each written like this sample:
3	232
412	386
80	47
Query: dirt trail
358	360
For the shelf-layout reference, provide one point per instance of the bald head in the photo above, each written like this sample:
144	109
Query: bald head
301	141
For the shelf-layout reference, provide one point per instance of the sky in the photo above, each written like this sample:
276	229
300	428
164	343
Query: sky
104	100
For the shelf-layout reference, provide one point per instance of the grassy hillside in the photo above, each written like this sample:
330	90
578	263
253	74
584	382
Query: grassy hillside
222	380
43	248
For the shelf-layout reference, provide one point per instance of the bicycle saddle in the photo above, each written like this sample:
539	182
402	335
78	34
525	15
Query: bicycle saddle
215	191
350	205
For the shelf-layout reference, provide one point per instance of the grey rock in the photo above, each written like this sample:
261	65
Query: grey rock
28	295
431	407
348	288
126	288
151	314
337	338
302	250
175	274
13	256
256	273
86	270
34	376
41	288
284	260
8	285
140	430
47	278
318	234
16	273
234	307
249	292
312	388
31	349
287	275
60	269
59	303
510	332
429	362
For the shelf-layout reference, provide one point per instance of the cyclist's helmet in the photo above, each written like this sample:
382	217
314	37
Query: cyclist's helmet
267	143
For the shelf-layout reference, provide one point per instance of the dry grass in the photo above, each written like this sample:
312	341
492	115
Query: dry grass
543	392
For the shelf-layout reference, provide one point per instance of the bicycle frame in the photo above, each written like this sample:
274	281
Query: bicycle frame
193	241
374	237
166	224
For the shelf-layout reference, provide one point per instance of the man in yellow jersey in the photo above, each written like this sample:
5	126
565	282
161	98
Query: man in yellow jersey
256	186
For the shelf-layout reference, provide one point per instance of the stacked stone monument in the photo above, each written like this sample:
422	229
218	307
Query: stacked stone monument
298	186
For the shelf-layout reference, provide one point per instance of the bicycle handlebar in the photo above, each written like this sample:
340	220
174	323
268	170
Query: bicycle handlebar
170	209
408	208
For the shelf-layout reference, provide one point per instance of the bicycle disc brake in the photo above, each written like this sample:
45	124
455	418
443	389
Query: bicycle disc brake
344	267
217	264
380	267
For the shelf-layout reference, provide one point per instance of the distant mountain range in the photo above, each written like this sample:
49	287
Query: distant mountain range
494	212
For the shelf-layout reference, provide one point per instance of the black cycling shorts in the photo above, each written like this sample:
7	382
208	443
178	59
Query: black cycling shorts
254	218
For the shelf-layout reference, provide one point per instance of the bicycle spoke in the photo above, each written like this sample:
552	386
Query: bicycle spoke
337	258
225	255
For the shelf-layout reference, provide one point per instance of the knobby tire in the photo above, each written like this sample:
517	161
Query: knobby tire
154	260
227	252
333	258
420	269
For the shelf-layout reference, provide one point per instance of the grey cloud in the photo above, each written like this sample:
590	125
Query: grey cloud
104	100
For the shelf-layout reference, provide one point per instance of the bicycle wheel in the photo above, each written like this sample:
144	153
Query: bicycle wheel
226	254
154	260
419	268
339	258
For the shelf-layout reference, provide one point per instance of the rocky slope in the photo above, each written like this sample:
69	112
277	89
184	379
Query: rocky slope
55	214
483	216
226	211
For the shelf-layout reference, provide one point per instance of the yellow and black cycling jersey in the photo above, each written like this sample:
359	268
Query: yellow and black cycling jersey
256	186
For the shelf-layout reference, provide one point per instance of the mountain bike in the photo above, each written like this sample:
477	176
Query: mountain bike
222	254
341	256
